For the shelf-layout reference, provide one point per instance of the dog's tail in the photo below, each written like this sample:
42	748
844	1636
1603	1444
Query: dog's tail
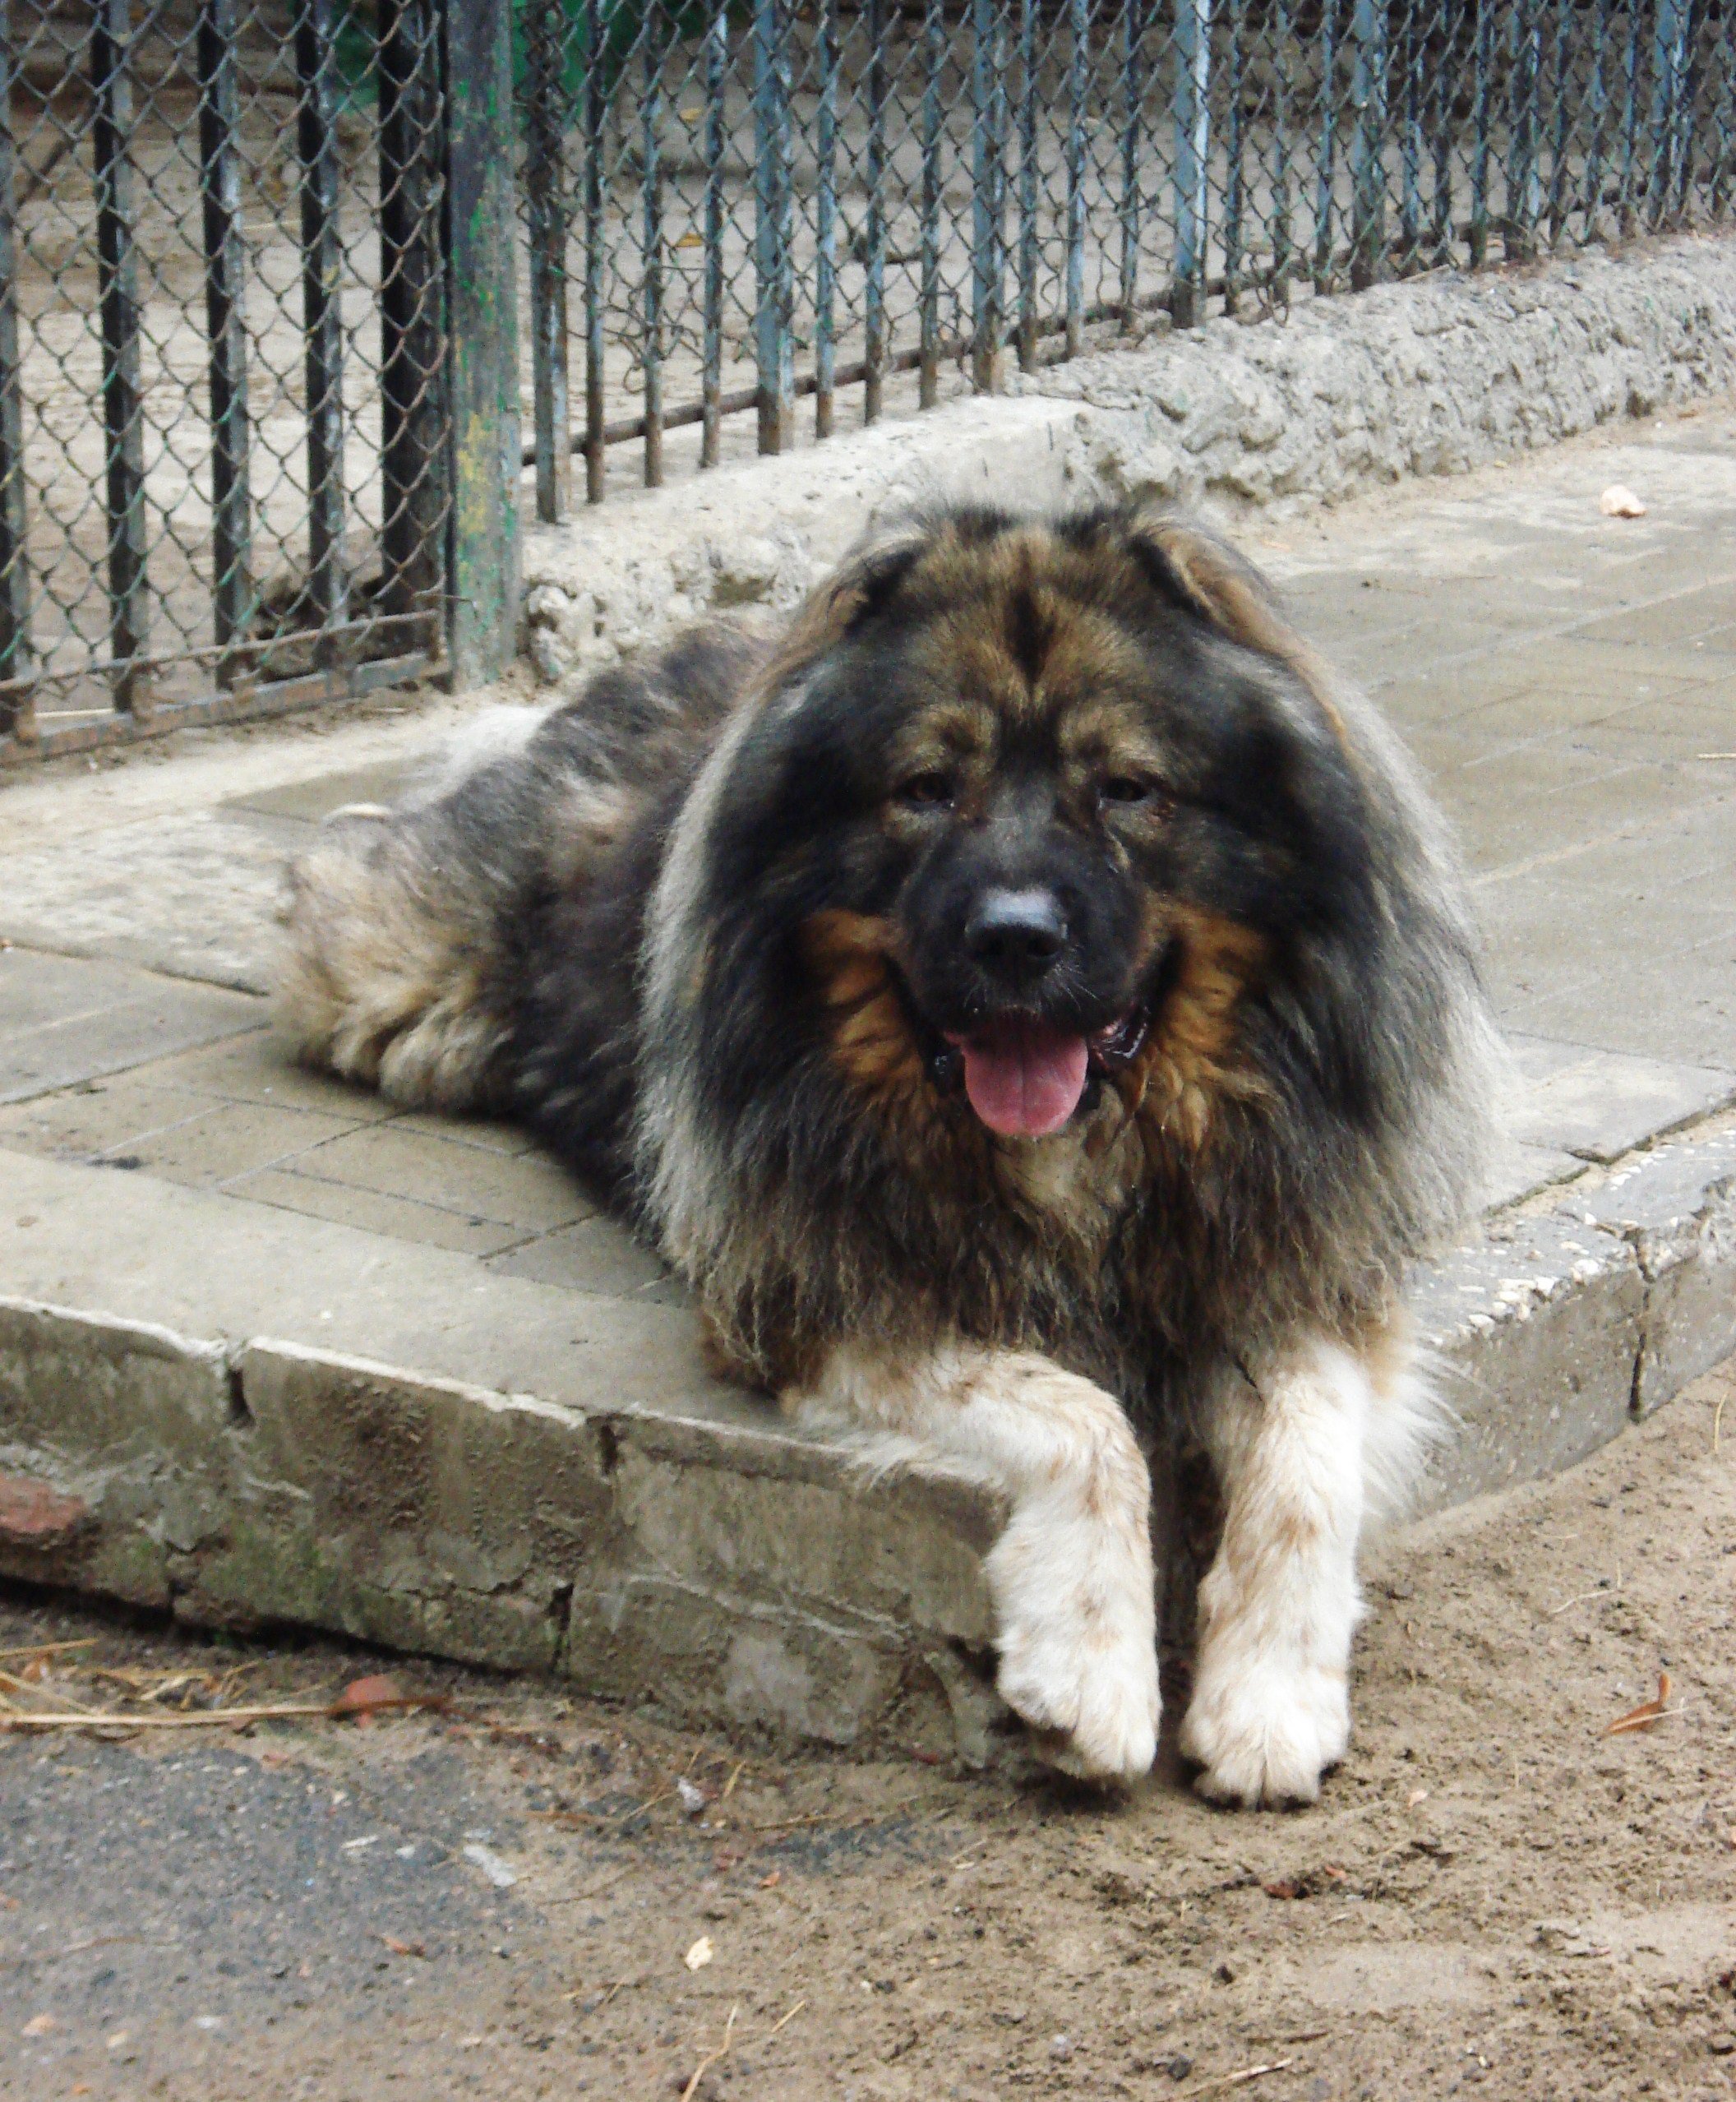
389	968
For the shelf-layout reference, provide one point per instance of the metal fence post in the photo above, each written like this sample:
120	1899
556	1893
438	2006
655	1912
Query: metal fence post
1133	89
118	295
219	180
878	20
711	348
825	223
1482	94
1519	238
596	115
545	189
654	31
1326	147
1282	227
1368	143
988	288
1030	179
1192	147
776	355
1669	76
414	328
322	322
16	712
482	309
934	49
1078	43
1235	148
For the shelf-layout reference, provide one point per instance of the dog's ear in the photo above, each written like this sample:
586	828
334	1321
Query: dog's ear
1205	575
864	583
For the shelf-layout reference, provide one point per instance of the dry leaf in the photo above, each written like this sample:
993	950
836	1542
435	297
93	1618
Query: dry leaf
1619	501
770	1882
40	2025
1646	1713
699	1955
404	1948
1416	1795
378	1694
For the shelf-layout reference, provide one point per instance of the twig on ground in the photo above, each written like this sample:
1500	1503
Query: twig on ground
197	1719
1235	2079
1579	1598
48	1649
711	2058
1718	1422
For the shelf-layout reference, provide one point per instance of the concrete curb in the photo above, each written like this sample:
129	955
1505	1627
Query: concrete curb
1433	377
729	1573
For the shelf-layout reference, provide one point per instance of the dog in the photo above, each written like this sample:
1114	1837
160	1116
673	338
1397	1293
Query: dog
1034	1005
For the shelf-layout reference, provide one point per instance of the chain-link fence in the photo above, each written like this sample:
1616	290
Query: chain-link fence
260	380
733	204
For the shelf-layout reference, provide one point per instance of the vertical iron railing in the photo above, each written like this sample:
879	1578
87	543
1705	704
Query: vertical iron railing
17	716
118	294
293	468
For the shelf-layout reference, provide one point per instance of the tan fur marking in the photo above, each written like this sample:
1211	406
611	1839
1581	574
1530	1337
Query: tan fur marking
871	1041
1188	1065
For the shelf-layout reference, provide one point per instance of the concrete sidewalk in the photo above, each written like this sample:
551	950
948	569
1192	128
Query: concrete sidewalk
317	1360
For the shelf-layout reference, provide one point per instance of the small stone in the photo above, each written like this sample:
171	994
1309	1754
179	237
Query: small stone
1179	2066
33	1515
1061	2048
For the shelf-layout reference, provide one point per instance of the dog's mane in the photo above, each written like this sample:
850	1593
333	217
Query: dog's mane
1281	1154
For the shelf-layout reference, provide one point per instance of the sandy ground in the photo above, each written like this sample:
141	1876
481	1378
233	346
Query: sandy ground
1493	1894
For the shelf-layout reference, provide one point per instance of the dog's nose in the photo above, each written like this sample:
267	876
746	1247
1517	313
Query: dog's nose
1016	934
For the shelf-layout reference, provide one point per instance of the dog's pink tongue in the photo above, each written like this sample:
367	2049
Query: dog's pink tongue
1024	1079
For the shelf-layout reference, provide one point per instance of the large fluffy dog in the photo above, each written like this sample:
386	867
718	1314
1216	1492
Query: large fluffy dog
1028	996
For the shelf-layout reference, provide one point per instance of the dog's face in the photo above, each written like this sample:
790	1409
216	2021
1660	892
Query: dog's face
1035	800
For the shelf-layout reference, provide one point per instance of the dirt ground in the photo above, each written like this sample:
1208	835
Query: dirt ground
513	1898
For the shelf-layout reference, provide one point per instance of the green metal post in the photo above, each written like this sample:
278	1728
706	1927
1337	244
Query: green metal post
483	563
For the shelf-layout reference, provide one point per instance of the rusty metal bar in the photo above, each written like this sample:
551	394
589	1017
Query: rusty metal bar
225	267
117	296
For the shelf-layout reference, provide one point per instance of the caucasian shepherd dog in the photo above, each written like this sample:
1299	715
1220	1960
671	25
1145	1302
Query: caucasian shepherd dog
1033	1006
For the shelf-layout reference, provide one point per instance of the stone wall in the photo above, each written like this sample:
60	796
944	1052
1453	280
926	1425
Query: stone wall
1433	377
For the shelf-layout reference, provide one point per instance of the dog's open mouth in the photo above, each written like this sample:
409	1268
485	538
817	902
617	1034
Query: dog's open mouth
1024	1077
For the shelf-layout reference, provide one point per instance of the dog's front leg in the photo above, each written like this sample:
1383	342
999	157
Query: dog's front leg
1270	1710
1071	1575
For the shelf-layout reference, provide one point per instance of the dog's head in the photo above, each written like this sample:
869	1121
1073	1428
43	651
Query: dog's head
1030	805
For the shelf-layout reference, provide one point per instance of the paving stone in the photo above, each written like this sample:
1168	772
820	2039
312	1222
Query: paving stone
492	1137
1600	1105
1521	1171
396	1218
64	1019
253	1068
525	1191
597	1255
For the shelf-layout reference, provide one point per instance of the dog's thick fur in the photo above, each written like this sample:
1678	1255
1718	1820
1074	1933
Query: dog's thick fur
709	928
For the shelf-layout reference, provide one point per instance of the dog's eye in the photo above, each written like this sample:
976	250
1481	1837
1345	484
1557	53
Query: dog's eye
1124	790
932	791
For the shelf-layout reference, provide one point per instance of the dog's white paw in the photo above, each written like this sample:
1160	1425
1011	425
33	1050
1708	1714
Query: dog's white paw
1262	1733
1079	1653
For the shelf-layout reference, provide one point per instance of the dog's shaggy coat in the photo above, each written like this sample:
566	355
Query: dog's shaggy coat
1029	1000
